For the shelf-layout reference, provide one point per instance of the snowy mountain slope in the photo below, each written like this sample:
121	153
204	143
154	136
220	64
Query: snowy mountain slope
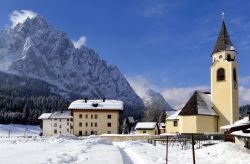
36	49
151	99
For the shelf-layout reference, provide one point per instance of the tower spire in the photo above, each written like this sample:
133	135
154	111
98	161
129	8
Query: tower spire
223	42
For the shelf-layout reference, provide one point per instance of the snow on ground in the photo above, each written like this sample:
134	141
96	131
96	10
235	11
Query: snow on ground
96	150
88	150
144	153
19	130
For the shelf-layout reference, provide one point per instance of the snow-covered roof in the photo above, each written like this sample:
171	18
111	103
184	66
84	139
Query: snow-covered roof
244	121
45	116
97	104
145	125
57	114
174	116
61	114
240	133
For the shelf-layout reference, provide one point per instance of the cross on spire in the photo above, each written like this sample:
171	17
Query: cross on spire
222	15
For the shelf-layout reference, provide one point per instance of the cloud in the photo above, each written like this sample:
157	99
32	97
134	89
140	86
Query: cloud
20	16
244	80
177	97
244	95
139	84
80	42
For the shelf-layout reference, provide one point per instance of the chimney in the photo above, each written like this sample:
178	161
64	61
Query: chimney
85	99
104	99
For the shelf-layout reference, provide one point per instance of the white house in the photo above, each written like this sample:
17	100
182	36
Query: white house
147	128
57	123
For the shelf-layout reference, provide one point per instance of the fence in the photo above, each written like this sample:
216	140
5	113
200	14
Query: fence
188	141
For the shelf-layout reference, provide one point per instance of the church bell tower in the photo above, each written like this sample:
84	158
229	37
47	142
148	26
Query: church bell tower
224	79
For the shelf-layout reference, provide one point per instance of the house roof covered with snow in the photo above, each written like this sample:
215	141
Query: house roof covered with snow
56	115
240	133
244	121
61	114
45	116
97	104
174	116
145	125
199	104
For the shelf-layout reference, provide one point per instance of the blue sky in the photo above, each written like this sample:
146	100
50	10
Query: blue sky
165	44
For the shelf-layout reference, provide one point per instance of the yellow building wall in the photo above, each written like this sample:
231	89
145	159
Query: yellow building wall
151	132
102	121
225	93
187	124
170	128
197	124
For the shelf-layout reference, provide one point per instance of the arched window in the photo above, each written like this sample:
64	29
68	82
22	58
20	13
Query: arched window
229	57
234	75
221	74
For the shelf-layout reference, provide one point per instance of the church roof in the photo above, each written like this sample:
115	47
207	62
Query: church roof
223	42
199	104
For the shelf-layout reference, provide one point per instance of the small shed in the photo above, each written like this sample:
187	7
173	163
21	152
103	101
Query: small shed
147	128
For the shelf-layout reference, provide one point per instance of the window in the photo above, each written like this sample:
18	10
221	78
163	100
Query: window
67	130
175	123
86	124
144	131
67	123
86	116
95	124
229	57
80	133
109	124
86	133
55	119
235	78
55	124
109	132
80	115
220	74
80	124
55	131
91	116
67	119
60	126
96	116
234	75
91	124
220	56
109	116
60	120
60	132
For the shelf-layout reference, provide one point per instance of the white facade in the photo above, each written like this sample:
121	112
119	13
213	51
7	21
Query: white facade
57	123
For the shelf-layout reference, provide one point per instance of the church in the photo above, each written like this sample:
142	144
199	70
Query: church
206	112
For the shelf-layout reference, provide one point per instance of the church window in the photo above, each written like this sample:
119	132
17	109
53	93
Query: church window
229	57
220	74
234	75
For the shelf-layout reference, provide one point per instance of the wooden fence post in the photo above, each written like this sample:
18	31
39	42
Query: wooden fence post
167	151
193	148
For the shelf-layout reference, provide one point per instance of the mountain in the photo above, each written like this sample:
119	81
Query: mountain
36	50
